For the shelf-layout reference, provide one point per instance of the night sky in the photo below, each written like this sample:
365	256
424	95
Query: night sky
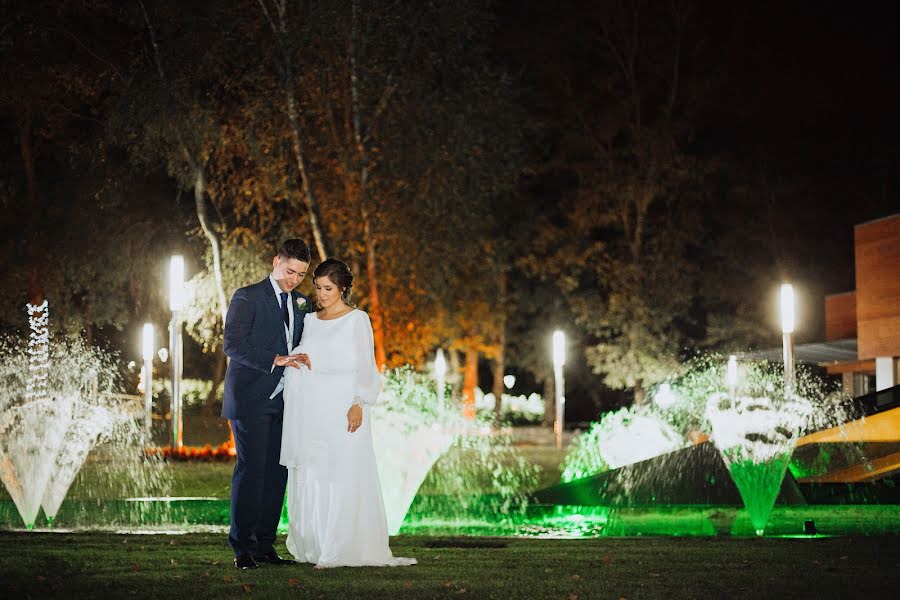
806	95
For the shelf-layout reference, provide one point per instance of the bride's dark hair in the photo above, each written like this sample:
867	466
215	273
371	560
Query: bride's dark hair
339	273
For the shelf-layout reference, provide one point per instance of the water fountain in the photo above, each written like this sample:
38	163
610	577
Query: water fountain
56	405
467	469
730	436
755	425
409	434
64	436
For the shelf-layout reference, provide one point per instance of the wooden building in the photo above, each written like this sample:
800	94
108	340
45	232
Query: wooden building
871	313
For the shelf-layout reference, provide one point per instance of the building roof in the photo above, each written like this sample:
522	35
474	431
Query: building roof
817	353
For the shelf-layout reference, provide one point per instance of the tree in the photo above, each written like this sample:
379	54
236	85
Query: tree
70	232
620	244
287	41
49	76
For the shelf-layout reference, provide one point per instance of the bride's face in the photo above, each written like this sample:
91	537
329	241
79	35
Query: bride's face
327	292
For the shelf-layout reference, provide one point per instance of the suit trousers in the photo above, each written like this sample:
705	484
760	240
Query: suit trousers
258	483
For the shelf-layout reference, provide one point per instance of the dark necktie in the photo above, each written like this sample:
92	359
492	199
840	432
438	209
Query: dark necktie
284	310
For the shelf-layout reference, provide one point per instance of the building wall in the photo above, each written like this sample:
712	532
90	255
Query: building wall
840	316
878	287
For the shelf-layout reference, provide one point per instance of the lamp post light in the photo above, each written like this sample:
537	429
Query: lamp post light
440	374
147	354
787	329
559	359
731	375
176	350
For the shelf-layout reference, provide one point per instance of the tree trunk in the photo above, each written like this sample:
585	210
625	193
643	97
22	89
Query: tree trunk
497	370
470	382
499	365
280	31
639	391
218	374
549	402
312	205
455	368
375	311
199	182
212	237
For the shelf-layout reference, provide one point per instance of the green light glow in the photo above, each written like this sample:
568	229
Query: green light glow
759	484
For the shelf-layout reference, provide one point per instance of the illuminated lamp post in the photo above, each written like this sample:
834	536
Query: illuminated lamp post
176	350
731	375
787	329
147	354
440	374
559	359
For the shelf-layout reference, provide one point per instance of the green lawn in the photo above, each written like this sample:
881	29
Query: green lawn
201	479
214	479
194	566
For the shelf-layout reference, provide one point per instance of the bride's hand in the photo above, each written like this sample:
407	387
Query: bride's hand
354	418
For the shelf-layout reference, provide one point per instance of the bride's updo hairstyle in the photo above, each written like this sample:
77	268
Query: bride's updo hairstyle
339	273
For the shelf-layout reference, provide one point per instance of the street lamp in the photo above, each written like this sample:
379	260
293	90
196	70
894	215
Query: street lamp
731	375
147	353
440	373
665	397
787	330
176	351
559	359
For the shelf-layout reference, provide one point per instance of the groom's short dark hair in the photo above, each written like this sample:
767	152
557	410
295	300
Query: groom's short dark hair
294	248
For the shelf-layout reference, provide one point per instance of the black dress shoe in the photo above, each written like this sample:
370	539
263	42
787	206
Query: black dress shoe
272	558
245	562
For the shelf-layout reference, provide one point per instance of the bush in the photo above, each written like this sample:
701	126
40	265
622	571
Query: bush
514	410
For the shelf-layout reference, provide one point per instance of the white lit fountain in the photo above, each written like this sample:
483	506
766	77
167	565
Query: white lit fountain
410	433
467	470
55	407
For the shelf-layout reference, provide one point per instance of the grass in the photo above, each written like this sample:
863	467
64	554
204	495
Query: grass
195	566
201	479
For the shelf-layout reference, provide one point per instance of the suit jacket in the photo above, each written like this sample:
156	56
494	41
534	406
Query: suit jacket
254	334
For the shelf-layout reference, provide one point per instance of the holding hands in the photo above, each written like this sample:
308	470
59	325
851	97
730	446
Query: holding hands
293	360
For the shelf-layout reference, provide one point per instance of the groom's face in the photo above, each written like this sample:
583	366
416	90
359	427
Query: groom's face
288	272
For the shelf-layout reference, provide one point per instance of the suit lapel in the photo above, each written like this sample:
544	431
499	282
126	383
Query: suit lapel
298	317
274	307
272	302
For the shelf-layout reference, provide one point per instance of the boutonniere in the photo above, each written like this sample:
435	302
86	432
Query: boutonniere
301	304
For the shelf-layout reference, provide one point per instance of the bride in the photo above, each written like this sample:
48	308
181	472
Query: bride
335	509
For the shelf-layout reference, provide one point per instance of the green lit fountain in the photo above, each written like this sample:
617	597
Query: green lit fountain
755	424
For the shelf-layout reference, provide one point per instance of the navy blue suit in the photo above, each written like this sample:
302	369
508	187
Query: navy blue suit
254	335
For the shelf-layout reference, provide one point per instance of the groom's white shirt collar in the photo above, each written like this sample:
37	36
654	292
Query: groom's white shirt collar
277	288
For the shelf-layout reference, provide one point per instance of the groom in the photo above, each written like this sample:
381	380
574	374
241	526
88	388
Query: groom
264	323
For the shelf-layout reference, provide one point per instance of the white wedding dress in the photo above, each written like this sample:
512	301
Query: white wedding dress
335	508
